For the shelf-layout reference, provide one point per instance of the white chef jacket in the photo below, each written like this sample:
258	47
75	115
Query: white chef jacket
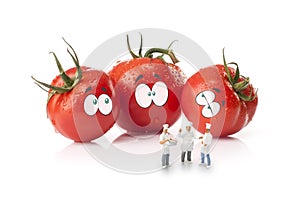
166	145
207	139
187	140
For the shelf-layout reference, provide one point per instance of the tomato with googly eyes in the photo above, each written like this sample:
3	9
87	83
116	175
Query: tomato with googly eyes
82	104
149	90
221	96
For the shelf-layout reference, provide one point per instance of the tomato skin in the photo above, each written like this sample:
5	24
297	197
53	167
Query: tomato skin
134	118
234	113
66	111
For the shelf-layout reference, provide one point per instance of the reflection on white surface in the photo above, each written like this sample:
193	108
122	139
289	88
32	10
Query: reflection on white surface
74	154
137	145
229	149
226	151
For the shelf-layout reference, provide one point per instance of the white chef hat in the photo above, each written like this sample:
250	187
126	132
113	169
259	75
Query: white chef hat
208	125
189	124
166	126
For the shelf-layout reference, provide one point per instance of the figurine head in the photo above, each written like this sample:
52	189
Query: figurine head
207	129
165	128
188	126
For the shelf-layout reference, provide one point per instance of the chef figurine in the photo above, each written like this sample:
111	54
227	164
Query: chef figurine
187	144
166	141
205	144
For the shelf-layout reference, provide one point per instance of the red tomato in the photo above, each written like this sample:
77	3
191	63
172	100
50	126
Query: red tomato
149	95
221	96
149	90
84	108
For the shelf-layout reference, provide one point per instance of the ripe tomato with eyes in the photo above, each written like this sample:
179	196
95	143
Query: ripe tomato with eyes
219	95
82	104
149	89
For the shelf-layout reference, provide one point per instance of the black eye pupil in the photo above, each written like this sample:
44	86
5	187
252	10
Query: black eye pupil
106	100
95	101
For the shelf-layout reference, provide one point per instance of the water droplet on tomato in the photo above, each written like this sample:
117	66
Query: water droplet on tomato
92	81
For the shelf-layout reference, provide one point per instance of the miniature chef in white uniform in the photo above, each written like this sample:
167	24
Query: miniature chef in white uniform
187	144
205	145
165	140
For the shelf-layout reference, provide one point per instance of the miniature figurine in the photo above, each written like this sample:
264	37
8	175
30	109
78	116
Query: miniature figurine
166	141
205	144
187	144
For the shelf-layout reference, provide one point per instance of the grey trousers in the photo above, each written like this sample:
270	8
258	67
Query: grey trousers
189	154
165	159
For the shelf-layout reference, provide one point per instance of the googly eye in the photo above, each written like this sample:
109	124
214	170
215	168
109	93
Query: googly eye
90	105
105	104
211	110
160	93
143	95
205	97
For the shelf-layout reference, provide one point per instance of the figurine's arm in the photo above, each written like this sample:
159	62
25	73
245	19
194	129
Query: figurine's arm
171	137
198	136
180	133
163	141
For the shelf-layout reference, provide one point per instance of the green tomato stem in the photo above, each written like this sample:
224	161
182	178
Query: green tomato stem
150	52
241	85
69	83
238	87
168	52
141	46
226	69
66	79
129	48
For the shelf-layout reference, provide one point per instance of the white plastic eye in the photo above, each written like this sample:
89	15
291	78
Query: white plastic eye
90	105
160	93
211	110
105	104
143	95
205	97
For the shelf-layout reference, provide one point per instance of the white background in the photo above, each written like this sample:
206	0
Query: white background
262	36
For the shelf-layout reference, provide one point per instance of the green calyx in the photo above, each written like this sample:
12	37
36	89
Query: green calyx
239	86
149	53
69	82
